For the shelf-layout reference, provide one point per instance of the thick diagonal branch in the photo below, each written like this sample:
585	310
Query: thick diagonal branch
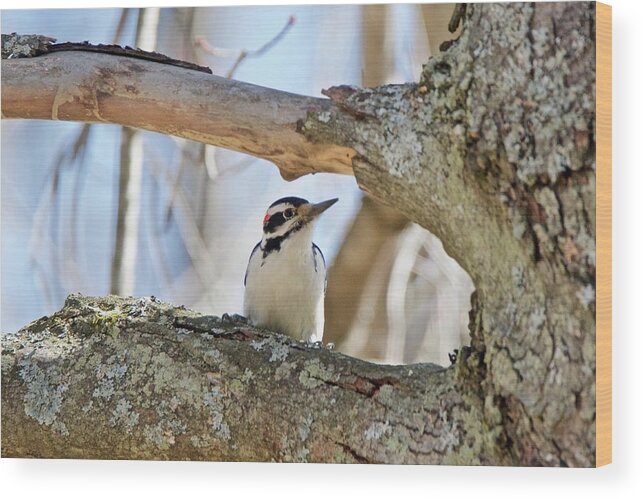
105	88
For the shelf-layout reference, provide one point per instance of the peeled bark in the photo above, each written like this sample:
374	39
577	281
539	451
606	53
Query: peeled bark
493	151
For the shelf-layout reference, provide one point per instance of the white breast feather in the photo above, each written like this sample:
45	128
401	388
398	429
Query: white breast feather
284	293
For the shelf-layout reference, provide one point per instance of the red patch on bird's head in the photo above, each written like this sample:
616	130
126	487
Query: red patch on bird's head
266	218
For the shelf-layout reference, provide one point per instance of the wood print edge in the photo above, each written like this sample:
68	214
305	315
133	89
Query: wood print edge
603	234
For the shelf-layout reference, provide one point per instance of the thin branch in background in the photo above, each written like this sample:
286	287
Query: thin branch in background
176	185
68	156
408	243
125	254
208	156
154	232
127	223
120	27
193	241
47	216
202	43
210	161
79	154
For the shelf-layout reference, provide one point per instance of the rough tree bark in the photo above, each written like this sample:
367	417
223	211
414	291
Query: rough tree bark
493	151
136	378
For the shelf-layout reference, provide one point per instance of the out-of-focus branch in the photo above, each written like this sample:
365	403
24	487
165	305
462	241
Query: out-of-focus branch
123	272
377	54
203	44
374	225
70	156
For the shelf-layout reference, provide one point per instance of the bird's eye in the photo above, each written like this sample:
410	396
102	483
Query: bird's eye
289	213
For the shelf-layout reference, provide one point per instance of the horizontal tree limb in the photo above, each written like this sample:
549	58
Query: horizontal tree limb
104	88
115	378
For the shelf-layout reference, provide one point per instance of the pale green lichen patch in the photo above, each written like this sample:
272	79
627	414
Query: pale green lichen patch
377	429
284	370
15	46
108	320
200	441
212	356
293	451
107	374
44	391
247	375
155	435
213	401
60	428
396	446
278	349
304	427
123	415
314	374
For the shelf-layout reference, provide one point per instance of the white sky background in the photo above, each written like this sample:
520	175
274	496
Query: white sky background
75	479
323	48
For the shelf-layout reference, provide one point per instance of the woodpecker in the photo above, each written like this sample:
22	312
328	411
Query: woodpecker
286	276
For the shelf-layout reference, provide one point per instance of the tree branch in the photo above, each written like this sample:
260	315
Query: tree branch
103	88
493	152
113	378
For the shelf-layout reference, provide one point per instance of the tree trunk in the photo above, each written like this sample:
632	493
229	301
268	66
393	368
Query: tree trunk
494	152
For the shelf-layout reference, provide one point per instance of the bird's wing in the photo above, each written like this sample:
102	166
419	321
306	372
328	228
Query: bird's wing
317	251
245	278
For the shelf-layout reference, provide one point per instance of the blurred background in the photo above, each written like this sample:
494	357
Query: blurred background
100	209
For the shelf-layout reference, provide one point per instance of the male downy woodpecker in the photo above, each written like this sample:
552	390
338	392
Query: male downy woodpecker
286	276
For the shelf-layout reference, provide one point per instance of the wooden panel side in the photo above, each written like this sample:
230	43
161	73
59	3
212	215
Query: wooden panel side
603	234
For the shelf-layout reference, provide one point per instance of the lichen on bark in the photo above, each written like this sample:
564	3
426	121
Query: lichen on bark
138	378
498	160
493	151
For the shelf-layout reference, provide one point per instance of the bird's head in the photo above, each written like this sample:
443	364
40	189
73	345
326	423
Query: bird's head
287	215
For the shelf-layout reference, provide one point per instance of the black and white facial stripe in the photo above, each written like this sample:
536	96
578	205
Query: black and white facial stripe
280	212
281	220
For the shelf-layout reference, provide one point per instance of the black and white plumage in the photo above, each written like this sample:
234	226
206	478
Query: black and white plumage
286	276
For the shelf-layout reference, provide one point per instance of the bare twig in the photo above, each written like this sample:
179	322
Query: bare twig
122	20
202	43
195	245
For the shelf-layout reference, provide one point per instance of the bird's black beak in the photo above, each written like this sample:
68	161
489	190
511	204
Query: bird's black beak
314	210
